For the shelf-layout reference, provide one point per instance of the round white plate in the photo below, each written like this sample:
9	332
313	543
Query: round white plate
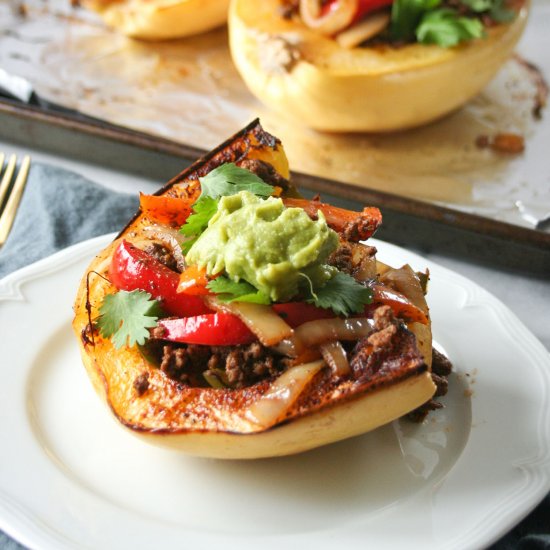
71	477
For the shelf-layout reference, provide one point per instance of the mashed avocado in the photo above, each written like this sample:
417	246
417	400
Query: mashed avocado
269	246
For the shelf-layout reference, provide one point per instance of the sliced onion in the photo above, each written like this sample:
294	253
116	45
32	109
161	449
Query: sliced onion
336	358
172	238
319	332
314	333
406	281
363	30
307	356
335	20
289	347
269	328
282	394
363	261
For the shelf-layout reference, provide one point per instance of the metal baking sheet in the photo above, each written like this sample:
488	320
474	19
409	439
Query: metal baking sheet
183	97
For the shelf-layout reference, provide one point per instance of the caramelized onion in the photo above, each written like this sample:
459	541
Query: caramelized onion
171	237
314	333
269	328
363	261
282	394
326	330
406	281
335	356
339	15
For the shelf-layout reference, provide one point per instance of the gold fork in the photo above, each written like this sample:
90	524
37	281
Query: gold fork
10	193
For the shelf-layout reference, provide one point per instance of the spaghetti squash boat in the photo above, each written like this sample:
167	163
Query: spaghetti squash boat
161	19
371	65
232	318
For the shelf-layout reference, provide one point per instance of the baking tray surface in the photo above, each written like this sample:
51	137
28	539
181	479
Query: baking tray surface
189	91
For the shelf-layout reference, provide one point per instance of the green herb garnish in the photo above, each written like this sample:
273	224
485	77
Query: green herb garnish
231	291
428	23
343	294
197	222
406	15
500	13
446	28
125	317
229	179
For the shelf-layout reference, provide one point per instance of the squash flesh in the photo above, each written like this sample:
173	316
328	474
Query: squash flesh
161	19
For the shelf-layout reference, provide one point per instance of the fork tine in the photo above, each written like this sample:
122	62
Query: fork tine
6	179
8	215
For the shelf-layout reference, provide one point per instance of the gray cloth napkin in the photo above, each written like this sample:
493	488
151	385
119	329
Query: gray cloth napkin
60	208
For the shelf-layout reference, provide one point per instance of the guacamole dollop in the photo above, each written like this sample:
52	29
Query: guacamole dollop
275	249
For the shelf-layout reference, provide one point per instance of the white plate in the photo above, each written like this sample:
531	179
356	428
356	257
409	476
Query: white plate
71	477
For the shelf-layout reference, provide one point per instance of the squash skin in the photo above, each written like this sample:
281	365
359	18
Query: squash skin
161	19
213	422
378	89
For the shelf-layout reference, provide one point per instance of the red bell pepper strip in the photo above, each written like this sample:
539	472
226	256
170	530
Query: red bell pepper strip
212	329
134	269
400	304
297	313
172	211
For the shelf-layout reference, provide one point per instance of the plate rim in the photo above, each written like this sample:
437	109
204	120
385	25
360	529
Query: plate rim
15	520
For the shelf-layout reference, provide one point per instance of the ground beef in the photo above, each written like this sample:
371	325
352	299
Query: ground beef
387	347
359	229
233	366
354	259
441	364
141	383
264	171
441	368
163	254
342	258
185	363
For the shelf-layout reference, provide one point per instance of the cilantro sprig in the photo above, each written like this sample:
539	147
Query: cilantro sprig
429	22
228	179
343	294
446	28
231	291
197	222
125	317
406	16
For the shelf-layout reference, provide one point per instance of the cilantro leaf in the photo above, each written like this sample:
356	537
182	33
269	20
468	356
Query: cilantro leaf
232	291
500	13
343	294
406	15
446	28
229	179
126	316
478	5
197	222
496	9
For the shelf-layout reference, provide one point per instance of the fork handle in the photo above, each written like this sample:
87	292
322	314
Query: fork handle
8	214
